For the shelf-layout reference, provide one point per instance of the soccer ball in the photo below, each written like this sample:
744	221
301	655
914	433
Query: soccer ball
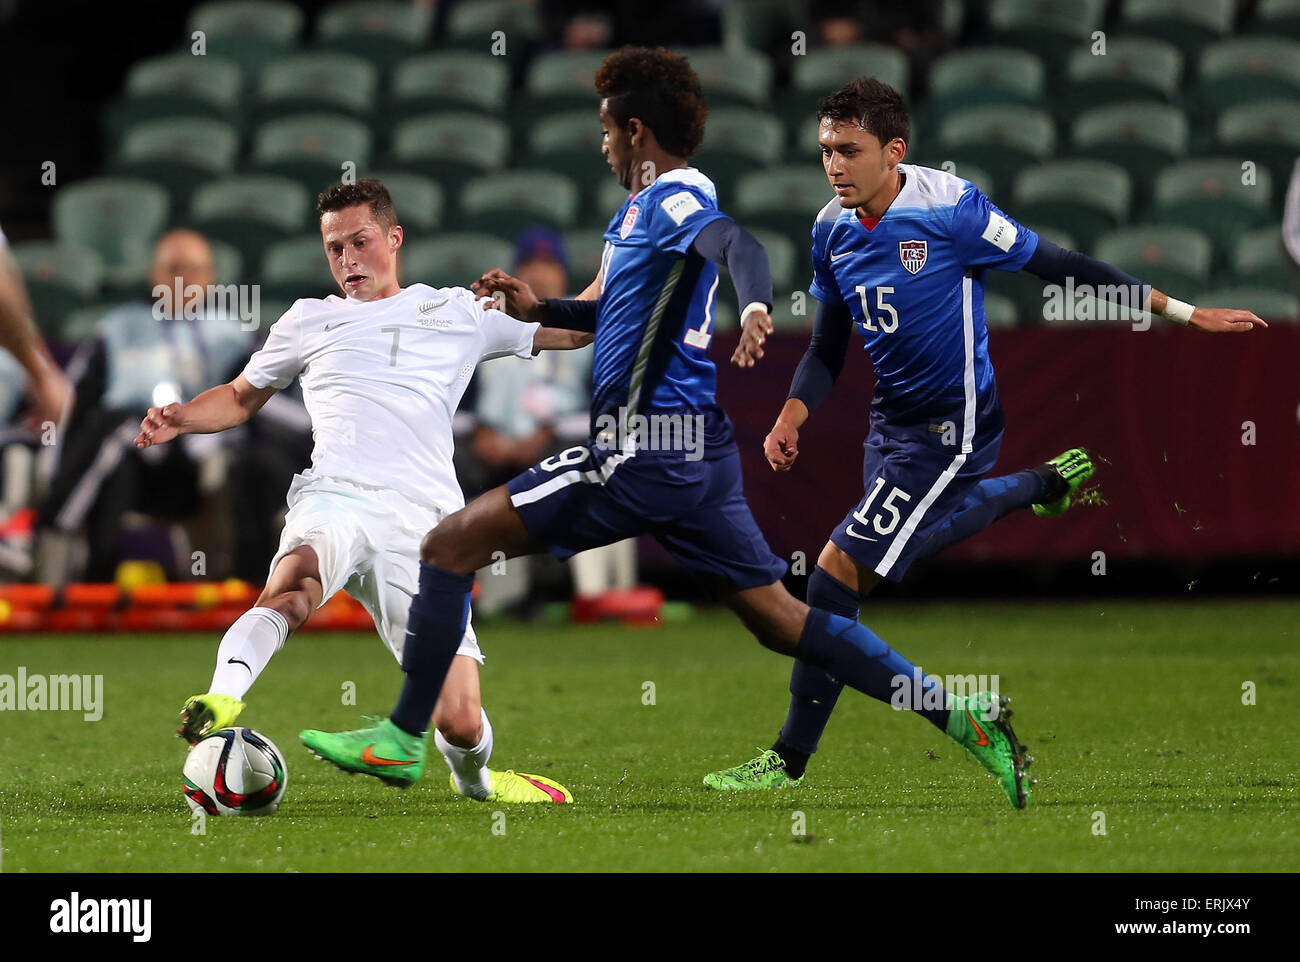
235	771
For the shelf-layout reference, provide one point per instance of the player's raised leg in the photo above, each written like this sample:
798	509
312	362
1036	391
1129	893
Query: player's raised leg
291	594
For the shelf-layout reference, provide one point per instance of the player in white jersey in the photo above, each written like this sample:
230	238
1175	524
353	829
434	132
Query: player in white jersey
383	369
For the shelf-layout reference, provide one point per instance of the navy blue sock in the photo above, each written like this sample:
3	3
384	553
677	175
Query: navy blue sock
853	653
990	500
813	692
434	628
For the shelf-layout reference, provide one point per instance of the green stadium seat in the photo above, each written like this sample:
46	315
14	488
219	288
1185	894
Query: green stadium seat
569	141
742	78
60	278
1143	138
785	199
448	80
1000	311
450	147
1267	132
985	75
585	246
783	257
303	82
1173	258
454	260
117	217
179	153
1049	28
175	85
1209	195
1268	303
978	176
610	195
822	71
505	204
737	140
1133	68
251	213
311	148
1260	259
759	24
477	26
227	263
1248	69
1277	18
382	31
1188	26
1085	197
419	201
1000	140
561	80
81	325
297	268
250	32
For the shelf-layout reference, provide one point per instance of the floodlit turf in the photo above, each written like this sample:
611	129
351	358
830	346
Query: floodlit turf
1133	710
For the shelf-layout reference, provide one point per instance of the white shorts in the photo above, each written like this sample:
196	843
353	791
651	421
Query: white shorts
367	543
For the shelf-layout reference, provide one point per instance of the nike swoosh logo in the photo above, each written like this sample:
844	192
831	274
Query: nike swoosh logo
370	758
984	739
836	257
330	327
556	795
240	661
848	529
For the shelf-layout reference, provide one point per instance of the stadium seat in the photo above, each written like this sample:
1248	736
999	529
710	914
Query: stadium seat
476	26
450	147
1049	28
506	203
1000	140
1277	18
60	277
743	78
1260	260
985	75
175	85
382	31
1085	197
569	141
610	195
782	256
1248	69
737	140
561	80
227	263
447	80
82	324
117	217
585	246
1267	132
1173	258
785	199
250	32
455	260
758	24
978	176
1000	311
1143	138
1265	302
304	82
311	148
178	153
1188	26
1133	68
419	201
1210	196
296	268
251	213
820	72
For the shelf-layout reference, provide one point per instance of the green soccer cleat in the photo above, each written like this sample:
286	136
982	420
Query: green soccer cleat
382	750
518	788
201	715
765	771
981	724
1074	467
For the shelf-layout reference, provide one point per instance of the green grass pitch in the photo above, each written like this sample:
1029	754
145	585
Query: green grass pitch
1133	710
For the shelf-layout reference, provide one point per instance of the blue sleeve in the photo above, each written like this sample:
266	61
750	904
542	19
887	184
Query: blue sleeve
824	359
677	215
1054	264
725	243
983	236
823	286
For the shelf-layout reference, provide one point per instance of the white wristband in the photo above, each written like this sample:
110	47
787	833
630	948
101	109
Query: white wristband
750	308
1178	311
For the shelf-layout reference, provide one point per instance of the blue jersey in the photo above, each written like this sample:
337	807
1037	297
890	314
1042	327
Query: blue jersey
914	283
655	315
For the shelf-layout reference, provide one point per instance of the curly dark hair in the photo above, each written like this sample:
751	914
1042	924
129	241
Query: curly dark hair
367	190
659	88
876	106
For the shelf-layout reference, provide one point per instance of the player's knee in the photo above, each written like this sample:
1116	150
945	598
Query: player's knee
460	722
293	604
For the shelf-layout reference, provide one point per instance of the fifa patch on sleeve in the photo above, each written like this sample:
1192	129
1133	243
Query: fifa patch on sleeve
1000	232
680	206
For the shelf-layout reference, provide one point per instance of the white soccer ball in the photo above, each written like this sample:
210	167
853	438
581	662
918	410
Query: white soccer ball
235	771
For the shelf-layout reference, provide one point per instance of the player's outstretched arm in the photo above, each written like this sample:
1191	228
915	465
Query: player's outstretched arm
813	380
558	339
216	409
725	243
514	297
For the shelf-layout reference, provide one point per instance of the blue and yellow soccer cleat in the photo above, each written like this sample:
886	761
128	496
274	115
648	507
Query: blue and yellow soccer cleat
1072	469
382	750
981	724
201	715
767	770
519	788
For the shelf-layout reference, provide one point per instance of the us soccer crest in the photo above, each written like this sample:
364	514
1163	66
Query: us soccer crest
912	254
628	220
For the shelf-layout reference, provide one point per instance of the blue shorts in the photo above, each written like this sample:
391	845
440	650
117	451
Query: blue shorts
581	499
918	466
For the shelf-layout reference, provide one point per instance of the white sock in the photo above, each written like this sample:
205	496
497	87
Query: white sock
469	765
246	648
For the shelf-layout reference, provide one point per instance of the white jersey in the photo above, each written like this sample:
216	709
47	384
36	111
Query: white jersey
382	379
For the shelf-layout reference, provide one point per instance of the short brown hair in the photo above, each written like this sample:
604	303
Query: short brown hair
876	106
368	190
660	89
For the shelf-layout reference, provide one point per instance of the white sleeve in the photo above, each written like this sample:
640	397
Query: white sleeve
503	335
279	360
